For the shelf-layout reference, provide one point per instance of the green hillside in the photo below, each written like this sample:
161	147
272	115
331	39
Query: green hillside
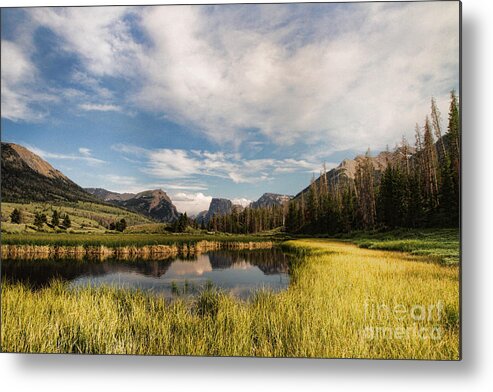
85	217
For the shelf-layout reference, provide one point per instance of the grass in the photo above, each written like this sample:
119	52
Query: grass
440	245
121	239
85	217
328	311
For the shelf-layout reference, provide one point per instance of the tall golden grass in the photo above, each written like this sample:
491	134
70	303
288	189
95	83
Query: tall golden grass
338	293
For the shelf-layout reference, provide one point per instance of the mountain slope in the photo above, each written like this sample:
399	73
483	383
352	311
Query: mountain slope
155	204
27	177
218	206
270	200
109	196
346	170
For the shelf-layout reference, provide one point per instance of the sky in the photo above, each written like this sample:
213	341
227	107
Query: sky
221	101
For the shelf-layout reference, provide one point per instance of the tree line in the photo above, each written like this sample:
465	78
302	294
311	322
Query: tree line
40	218
249	220
419	187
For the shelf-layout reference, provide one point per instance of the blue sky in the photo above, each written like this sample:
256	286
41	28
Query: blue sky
226	101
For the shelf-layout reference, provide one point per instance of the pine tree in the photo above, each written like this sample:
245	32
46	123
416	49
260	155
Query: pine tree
55	218
16	216
39	220
453	133
430	167
437	127
67	222
366	191
453	129
121	225
391	198
312	202
449	211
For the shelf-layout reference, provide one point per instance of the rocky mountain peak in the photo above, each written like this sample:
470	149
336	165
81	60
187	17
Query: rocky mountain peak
35	162
154	203
270	200
28	177
218	206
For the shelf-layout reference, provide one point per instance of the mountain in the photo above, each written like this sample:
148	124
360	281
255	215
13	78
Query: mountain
109	196
201	216
27	177
270	200
237	208
346	171
155	204
218	207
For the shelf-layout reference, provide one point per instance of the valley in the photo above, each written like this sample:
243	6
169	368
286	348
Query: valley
301	275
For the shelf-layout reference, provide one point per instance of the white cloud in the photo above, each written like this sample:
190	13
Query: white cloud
191	203
84	155
178	164
365	82
360	75
19	85
242	201
131	184
101	39
99	35
92	84
85	151
100	107
168	163
290	165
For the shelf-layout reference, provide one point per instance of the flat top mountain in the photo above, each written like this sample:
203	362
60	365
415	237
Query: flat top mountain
27	177
218	206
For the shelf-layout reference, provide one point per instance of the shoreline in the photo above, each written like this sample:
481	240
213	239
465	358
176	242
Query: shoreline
146	251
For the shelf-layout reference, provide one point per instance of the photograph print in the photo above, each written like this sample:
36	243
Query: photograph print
251	180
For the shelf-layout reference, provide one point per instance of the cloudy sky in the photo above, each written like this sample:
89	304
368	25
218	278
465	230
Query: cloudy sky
228	101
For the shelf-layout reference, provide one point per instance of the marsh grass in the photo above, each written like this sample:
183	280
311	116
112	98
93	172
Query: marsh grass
321	314
441	245
114	240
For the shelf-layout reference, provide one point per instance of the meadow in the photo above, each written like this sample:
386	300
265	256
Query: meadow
85	217
441	245
343	302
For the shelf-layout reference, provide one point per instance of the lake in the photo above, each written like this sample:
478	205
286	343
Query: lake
237	272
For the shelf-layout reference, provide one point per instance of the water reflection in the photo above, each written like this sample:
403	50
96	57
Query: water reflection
238	272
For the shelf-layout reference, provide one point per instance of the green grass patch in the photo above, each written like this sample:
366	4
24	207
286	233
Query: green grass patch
442	245
85	217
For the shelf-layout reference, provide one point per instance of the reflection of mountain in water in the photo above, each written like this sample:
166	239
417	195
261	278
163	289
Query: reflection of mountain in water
39	273
269	261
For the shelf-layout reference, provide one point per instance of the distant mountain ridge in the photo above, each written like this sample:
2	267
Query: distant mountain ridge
270	200
108	196
27	177
154	204
346	170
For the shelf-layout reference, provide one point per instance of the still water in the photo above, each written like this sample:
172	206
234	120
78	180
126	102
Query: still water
237	272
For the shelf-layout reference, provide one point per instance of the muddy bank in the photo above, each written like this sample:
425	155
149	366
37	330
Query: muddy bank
151	252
